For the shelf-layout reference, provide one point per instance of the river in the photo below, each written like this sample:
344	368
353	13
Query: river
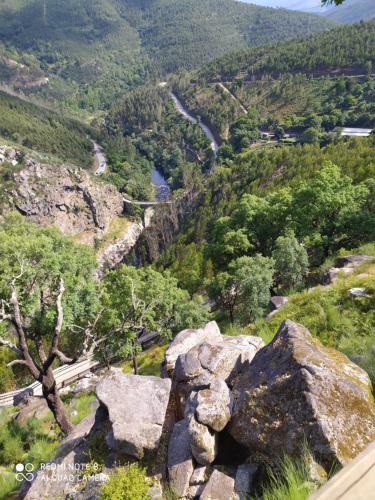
163	191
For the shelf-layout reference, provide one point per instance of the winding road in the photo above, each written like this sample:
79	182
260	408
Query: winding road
189	116
101	159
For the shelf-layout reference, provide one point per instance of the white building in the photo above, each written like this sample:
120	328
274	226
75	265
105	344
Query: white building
356	132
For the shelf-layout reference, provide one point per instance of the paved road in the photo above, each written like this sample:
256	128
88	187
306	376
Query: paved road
101	159
64	375
186	114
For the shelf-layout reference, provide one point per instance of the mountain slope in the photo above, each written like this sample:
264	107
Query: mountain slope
44	131
352	11
92	50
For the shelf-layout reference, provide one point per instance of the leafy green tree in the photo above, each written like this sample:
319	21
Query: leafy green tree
291	262
244	290
142	300
310	136
48	297
279	133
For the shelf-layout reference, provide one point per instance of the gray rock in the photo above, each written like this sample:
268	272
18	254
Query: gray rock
244	480
137	408
155	492
214	406
187	339
51	483
207	362
346	265
195	491
180	459
277	302
203	442
31	407
200	475
353	260
219	487
297	390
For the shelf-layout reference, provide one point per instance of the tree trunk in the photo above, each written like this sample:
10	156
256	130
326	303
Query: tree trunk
135	363
51	395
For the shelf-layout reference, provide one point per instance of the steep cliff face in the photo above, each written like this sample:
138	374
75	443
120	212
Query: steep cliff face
62	195
163	228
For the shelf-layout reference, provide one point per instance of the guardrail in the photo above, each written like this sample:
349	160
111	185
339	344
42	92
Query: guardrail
64	375
356	481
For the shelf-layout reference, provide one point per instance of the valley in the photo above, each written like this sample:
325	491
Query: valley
187	249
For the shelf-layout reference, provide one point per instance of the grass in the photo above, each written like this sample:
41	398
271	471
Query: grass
127	483
8	484
36	441
148	362
79	406
290	482
333	316
116	230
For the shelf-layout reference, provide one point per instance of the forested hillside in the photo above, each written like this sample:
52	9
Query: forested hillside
44	131
91	51
275	86
352	11
143	131
349	48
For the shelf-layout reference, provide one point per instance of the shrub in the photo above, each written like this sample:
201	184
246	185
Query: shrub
127	483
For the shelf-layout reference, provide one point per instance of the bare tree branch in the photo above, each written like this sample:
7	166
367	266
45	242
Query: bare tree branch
60	317
17	362
17	320
11	346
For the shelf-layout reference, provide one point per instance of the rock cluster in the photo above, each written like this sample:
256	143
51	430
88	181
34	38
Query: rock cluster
269	400
346	265
232	406
66	197
136	409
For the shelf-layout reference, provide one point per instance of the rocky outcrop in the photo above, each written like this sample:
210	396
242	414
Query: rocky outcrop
189	338
114	254
62	479
346	265
277	302
296	390
220	486
180	459
207	362
64	196
203	442
137	407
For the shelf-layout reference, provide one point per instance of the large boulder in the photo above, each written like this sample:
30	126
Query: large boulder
214	406
203	442
207	362
187	339
180	459
137	407
298	391
220	486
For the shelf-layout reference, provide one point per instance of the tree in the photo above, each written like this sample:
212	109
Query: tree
142	300
291	262
48	297
330	2
310	136
279	133
244	290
